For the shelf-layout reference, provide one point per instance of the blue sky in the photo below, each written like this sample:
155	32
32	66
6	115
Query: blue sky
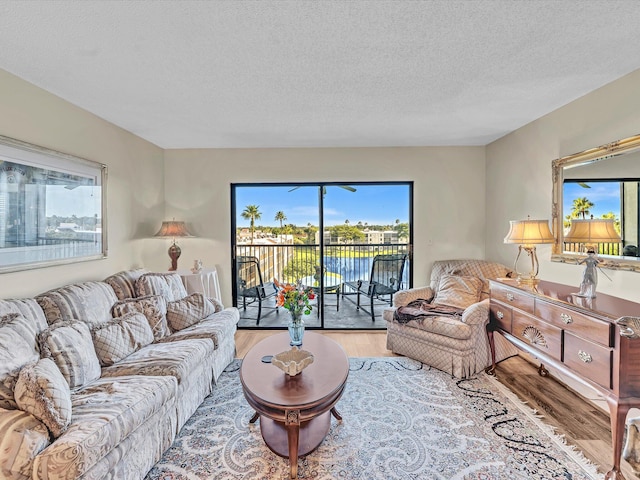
604	195
372	204
83	201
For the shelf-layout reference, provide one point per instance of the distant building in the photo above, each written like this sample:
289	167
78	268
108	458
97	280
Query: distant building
380	237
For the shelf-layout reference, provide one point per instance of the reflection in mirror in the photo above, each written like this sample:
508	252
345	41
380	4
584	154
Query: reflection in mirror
600	183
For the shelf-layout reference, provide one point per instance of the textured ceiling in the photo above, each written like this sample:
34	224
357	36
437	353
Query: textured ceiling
195	74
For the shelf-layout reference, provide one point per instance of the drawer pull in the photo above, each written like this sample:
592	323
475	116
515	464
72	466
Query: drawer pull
499	314
566	318
510	297
584	356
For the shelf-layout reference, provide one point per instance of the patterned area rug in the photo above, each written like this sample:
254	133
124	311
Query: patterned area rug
401	420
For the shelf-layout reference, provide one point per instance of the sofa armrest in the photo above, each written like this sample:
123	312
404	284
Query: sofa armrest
477	314
26	437
403	297
216	303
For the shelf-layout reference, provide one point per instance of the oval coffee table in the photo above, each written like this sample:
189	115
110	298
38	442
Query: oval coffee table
295	412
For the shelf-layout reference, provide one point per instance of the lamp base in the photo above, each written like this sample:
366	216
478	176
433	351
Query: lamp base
174	254
528	280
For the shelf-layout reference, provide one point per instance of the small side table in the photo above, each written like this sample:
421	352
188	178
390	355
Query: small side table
205	282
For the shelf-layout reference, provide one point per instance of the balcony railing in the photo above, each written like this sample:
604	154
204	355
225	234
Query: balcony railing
290	263
603	248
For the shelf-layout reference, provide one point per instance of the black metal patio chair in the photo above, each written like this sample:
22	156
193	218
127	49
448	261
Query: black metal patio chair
385	279
250	286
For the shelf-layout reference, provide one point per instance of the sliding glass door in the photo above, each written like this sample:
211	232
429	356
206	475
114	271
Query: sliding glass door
350	243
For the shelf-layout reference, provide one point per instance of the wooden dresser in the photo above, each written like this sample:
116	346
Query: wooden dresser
591	340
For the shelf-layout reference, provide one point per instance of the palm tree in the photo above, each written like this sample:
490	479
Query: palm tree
252	212
581	207
280	216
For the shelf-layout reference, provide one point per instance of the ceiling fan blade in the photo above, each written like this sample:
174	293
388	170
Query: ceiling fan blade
583	185
294	188
348	187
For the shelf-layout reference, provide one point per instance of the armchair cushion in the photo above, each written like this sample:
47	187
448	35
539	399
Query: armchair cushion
458	291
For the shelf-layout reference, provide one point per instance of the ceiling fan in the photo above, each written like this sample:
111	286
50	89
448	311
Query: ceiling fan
324	188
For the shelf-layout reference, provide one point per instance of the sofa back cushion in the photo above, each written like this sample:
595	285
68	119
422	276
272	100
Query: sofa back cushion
89	302
120	337
70	346
29	309
153	307
18	348
482	269
124	283
168	285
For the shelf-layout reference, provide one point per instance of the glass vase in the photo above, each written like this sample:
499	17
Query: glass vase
296	329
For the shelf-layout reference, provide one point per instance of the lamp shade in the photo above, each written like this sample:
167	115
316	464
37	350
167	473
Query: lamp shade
529	232
173	229
596	230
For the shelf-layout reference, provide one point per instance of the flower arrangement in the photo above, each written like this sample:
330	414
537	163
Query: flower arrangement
294	298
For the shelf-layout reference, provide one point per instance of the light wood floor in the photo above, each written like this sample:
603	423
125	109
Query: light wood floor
583	424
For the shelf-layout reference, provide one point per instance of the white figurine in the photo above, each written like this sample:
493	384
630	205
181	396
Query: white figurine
590	276
197	266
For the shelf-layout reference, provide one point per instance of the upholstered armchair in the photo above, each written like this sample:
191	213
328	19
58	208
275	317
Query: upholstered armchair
452	337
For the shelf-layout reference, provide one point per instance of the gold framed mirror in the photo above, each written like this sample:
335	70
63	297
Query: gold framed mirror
611	174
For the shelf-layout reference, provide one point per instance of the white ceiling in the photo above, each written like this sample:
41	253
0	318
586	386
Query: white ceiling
197	74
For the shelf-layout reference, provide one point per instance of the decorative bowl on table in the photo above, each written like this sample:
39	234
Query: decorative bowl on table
293	361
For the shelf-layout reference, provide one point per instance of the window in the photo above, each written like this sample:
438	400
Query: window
51	207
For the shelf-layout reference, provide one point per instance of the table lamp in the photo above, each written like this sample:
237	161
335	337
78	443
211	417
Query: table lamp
590	233
173	229
527	234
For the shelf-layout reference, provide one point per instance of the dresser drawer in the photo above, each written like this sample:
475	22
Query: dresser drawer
500	315
541	335
515	298
571	321
588	359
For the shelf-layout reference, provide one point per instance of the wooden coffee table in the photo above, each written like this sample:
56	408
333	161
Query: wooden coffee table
295	412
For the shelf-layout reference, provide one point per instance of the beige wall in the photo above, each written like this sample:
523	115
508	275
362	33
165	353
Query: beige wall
448	194
135	184
519	173
456	211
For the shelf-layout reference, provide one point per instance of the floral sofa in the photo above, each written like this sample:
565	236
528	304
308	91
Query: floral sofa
457	344
97	378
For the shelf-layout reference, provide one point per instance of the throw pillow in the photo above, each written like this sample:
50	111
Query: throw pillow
154	307
70	346
42	391
18	347
121	337
189	311
458	291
